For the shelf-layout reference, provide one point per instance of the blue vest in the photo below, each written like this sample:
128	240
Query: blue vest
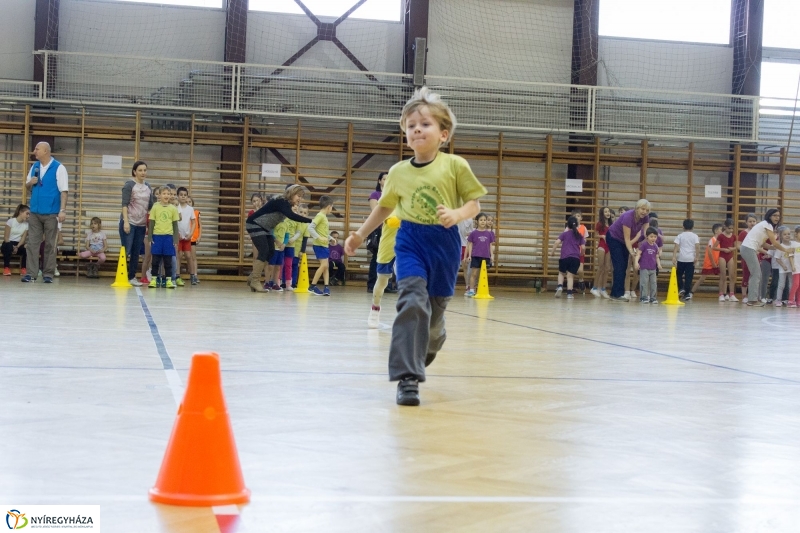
45	196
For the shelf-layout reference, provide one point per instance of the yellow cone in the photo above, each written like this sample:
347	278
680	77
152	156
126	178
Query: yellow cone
122	271
672	293
302	281
483	285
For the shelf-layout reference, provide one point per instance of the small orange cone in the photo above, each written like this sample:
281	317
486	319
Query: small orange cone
201	465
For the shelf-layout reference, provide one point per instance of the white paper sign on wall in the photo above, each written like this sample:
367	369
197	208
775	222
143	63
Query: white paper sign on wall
713	191
270	170
112	162
574	186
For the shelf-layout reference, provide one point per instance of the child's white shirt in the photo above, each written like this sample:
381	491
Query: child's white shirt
776	255
687	246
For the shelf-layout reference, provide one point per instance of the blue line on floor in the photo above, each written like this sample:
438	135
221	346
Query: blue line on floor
166	362
686	359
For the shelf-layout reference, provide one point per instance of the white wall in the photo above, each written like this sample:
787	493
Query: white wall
109	27
523	40
272	38
17	30
665	65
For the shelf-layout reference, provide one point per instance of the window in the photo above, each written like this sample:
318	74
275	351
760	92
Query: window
371	9
780	24
698	21
195	3
779	80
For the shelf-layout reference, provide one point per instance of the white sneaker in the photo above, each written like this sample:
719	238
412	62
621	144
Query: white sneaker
745	300
764	301
149	275
595	292
604	294
722	298
558	292
732	298
727	298
374	320
466	293
135	282
57	273
633	295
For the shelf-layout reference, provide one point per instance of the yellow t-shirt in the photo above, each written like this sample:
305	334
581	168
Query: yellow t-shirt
163	216
414	192
388	238
321	225
279	232
302	227
291	229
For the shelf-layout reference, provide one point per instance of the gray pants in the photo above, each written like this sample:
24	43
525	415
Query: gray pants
784	282
418	332
42	227
754	286
647	283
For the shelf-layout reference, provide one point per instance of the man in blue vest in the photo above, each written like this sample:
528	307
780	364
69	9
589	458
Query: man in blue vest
48	183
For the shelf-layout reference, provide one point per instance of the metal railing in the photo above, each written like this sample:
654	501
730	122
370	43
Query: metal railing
206	86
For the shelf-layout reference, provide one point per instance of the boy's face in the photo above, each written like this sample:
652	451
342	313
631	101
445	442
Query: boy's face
651	239
304	211
165	195
423	132
750	223
335	237
329	209
173	196
183	196
717	231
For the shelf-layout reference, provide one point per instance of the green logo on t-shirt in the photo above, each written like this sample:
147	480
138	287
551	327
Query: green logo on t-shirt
424	202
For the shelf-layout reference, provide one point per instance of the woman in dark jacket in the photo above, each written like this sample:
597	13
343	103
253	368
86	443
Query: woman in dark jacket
260	226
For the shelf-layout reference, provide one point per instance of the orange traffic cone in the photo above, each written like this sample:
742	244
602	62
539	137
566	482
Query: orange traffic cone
201	465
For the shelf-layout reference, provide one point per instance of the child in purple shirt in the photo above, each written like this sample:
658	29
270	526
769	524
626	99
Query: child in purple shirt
479	249
572	248
338	270
648	263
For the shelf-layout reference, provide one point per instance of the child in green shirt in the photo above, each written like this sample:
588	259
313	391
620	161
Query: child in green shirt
320	230
164	238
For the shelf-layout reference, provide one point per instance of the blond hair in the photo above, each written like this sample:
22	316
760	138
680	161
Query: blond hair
293	190
439	110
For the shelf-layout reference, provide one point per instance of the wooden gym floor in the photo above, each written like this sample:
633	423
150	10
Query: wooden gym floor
539	415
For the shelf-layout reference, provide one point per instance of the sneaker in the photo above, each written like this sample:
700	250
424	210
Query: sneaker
633	295
467	292
57	273
619	299
681	293
168	284
326	292
408	392
644	300
27	279
196	280
627	294
23	271
732	298
179	282
315	291
727	298
745	300
470	293
758	303
144	280
374	320
653	301
604	294
721	298
570	296
48	280
595	292
766	300
193	280
275	287
6	271
163	283
558	291
688	296
135	282
153	284
785	302
778	303
792	305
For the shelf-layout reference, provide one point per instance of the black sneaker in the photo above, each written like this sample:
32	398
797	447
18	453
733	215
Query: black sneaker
28	279
48	280
408	392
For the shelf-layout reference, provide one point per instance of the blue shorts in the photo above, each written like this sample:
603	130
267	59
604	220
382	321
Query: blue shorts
288	252
387	268
321	252
277	258
162	245
430	252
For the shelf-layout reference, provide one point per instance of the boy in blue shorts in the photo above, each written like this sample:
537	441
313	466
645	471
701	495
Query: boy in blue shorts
430	194
319	229
164	233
